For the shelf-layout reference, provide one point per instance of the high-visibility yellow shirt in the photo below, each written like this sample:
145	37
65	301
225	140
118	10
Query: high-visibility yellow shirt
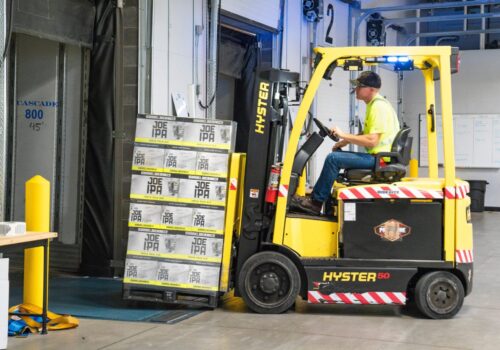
381	119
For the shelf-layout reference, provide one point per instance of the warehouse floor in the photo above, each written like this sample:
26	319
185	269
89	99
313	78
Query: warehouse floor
477	326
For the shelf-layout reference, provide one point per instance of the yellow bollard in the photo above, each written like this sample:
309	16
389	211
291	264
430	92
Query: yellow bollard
301	188
413	168
37	220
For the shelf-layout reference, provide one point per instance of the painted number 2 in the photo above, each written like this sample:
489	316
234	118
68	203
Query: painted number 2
329	13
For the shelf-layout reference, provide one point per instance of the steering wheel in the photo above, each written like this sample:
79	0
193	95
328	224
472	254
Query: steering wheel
324	131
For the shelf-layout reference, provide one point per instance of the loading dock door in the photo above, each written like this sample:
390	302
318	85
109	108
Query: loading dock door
36	107
47	128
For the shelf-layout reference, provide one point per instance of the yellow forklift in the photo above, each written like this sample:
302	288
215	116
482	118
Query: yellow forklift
383	239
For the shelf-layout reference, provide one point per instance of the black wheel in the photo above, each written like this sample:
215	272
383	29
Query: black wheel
439	295
269	283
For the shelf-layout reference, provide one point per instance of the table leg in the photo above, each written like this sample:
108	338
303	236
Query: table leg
45	286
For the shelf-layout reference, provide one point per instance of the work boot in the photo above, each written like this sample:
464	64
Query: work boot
306	205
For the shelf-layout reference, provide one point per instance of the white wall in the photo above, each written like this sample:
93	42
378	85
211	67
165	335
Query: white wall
295	39
266	12
475	90
173	52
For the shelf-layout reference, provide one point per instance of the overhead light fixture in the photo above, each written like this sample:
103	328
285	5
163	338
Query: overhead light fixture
404	65
400	62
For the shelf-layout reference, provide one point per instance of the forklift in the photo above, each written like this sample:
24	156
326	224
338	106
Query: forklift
384	238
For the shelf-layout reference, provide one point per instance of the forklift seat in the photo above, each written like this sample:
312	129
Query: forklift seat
390	170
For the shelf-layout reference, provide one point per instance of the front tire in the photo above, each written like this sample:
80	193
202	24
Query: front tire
439	295
269	283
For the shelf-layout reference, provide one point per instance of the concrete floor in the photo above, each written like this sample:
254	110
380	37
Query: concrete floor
477	326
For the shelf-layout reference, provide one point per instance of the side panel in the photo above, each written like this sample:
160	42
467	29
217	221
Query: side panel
392	229
311	238
234	182
449	156
344	285
463	225
464	257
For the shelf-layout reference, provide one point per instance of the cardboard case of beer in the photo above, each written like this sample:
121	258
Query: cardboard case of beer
175	245
179	188
176	217
171	273
185	131
180	161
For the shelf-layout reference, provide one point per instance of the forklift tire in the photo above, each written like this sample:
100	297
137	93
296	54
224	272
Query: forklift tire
439	295
269	283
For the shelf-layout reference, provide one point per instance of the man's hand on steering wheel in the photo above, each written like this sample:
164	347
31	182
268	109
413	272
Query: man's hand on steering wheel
337	132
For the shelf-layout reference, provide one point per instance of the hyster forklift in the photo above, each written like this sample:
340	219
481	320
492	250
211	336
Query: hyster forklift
383	238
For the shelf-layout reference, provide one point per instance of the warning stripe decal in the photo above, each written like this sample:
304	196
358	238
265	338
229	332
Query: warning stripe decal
283	191
388	191
367	298
456	192
464	256
233	184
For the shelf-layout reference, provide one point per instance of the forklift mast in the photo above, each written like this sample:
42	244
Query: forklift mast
265	148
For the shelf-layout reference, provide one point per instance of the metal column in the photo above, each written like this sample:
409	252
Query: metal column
3	108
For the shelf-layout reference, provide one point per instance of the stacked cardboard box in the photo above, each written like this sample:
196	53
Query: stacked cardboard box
178	197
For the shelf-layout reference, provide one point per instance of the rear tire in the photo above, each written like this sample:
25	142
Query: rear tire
269	283
439	295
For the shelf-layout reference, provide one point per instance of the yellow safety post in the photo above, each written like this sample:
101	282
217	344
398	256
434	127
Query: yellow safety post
301	188
413	168
37	220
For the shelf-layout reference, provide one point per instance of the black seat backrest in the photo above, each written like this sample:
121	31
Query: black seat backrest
301	158
305	152
407	151
402	145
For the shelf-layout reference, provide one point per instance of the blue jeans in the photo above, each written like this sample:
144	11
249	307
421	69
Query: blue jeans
333	163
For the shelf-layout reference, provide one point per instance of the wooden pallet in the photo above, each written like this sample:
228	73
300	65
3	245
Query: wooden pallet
170	295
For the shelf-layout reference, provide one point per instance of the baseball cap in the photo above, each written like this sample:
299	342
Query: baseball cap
368	79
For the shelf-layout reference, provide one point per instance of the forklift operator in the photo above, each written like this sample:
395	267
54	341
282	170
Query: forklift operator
380	129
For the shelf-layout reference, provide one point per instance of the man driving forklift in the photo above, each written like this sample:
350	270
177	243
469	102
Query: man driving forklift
380	129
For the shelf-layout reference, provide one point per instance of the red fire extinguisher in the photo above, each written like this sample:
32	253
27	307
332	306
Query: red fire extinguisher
273	184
